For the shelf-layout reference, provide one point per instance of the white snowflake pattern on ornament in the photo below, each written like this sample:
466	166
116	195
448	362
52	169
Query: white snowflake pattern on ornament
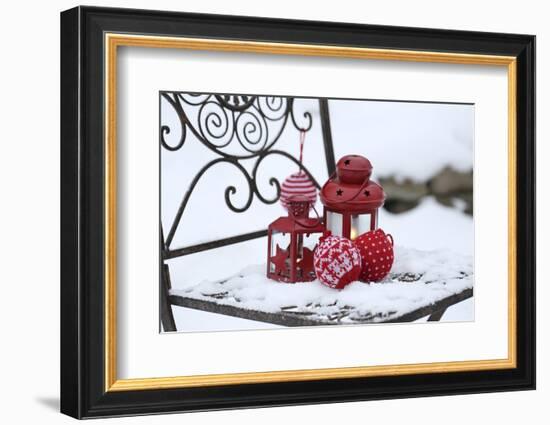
337	262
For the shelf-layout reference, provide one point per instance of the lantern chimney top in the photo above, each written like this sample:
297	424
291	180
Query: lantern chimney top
354	169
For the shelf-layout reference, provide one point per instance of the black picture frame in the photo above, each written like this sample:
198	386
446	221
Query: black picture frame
83	393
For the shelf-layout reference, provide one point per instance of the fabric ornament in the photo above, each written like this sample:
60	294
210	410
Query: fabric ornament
337	262
299	183
376	250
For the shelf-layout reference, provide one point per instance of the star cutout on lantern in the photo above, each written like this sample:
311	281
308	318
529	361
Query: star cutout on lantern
339	192
279	260
347	162
367	193
306	263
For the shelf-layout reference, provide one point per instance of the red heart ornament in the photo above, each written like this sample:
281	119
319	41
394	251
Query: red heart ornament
376	248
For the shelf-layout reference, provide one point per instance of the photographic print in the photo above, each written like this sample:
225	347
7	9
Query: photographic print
283	211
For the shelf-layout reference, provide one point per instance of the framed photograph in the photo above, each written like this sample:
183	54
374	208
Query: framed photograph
261	212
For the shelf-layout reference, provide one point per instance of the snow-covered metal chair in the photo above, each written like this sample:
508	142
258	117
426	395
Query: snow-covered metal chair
244	128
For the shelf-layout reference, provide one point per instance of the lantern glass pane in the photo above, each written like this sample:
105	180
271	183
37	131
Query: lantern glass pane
360	223
309	242
334	223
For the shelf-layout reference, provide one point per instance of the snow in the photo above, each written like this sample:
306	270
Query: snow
457	312
436	275
407	140
431	226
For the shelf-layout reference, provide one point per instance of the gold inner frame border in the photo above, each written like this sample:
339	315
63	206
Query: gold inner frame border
111	43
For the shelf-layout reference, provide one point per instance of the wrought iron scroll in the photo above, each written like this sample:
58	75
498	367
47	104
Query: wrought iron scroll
236	128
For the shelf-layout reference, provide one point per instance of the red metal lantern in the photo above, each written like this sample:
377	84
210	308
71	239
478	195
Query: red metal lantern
351	199
291	241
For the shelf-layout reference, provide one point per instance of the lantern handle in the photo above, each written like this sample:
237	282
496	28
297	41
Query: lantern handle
310	226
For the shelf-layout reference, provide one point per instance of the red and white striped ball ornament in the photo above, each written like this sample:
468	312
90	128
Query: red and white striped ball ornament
376	249
298	184
337	262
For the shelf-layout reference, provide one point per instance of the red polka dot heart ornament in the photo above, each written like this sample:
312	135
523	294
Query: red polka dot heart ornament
337	262
376	248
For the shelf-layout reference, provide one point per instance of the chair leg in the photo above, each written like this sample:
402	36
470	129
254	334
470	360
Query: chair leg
437	315
166	313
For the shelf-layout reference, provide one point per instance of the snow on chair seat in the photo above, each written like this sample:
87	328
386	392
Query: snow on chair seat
421	284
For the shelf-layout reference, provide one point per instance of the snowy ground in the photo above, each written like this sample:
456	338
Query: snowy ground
407	140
